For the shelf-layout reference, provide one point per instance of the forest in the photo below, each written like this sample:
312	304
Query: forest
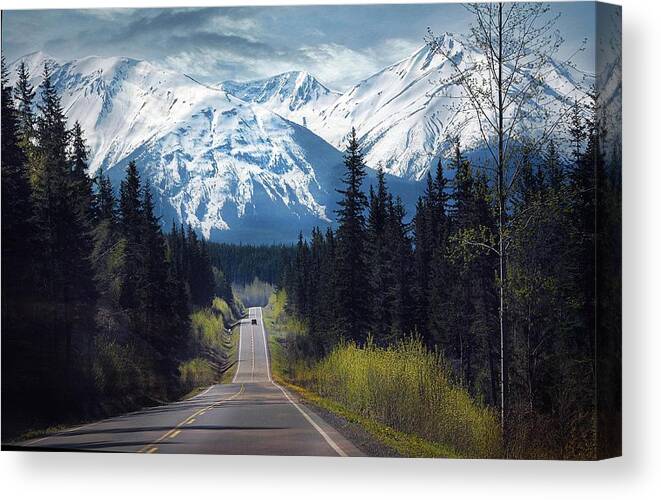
381	278
244	263
96	299
508	271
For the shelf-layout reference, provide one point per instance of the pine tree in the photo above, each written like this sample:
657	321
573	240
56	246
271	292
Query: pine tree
400	263
24	95
554	168
327	305
422	257
108	249
439	205
16	203
130	227
54	221
380	273
431	227
315	269
302	277
577	130
82	183
352	309
154	293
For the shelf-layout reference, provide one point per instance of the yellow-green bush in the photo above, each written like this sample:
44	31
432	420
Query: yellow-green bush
221	307
279	322
207	328
277	303
406	387
197	372
209	345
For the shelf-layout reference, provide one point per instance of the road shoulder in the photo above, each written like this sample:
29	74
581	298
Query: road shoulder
342	422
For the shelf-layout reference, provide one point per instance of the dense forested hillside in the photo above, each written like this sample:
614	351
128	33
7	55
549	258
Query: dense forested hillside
244	263
95	298
378	280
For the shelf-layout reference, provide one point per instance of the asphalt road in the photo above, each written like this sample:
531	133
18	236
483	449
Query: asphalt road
250	416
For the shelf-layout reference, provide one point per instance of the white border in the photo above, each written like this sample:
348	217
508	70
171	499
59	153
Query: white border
110	476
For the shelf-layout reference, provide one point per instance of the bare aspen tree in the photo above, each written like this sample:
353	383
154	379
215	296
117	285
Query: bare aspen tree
503	84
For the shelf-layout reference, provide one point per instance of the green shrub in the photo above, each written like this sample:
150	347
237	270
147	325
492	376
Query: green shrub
279	322
219	306
207	328
408	388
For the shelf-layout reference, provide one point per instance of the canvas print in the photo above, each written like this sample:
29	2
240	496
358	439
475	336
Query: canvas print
347	230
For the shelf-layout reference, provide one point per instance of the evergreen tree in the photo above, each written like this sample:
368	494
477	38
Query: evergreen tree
108	250
302	277
422	257
61	227
16	204
131	227
400	263
351	268
24	95
82	183
380	273
154	291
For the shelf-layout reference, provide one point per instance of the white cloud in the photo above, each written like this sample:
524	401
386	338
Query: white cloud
336	65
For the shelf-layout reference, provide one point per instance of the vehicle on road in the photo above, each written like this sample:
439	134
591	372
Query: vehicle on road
254	321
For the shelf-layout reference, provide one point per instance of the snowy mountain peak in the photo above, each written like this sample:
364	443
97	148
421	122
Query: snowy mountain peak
404	114
264	153
296	95
298	87
214	160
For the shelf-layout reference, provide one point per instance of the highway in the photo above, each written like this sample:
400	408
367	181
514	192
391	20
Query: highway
250	416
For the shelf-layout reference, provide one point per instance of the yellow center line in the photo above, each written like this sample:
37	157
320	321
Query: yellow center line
175	433
150	448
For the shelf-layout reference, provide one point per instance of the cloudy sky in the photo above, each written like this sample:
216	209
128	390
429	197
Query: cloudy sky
340	45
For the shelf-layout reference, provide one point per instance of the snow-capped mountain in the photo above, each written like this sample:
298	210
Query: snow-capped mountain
214	161
261	160
404	113
296	96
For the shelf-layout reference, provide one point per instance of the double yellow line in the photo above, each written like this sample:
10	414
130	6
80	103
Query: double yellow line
151	447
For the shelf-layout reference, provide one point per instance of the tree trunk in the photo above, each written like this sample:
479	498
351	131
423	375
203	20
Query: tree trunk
501	219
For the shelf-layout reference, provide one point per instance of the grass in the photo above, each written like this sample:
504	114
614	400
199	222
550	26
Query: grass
407	445
403	395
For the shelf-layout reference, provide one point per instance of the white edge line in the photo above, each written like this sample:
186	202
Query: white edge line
328	439
314	424
66	431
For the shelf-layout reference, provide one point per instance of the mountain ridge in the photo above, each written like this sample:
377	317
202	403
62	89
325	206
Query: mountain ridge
258	153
